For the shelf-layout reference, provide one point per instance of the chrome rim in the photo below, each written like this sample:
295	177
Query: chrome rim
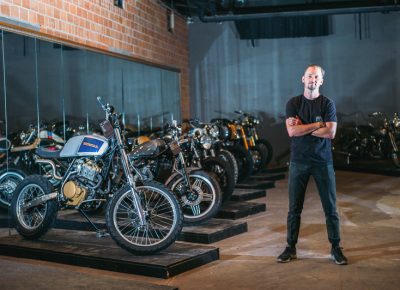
33	217
159	212
200	201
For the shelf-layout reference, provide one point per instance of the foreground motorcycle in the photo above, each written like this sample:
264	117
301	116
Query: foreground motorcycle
142	217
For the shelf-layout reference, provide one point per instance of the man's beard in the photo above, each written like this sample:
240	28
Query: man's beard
312	87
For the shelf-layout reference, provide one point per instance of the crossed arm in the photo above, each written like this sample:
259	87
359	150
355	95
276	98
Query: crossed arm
296	128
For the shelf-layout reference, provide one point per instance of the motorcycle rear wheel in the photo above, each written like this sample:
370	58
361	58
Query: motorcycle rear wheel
9	179
163	219
34	221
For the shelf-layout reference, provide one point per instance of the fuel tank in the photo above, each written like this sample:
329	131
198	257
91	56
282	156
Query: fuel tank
85	145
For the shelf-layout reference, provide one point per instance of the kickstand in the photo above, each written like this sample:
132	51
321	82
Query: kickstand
99	233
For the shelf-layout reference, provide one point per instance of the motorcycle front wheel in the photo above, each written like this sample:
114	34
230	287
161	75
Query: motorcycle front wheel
224	174
202	201
9	179
268	147
162	214
33	221
227	156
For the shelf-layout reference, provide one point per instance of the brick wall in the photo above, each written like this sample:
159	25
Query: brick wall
139	31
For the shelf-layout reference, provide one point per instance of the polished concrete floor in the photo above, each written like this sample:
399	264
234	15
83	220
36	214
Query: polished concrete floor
369	208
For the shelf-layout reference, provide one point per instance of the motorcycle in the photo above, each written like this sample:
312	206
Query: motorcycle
142	216
198	191
233	139
18	159
201	151
371	141
249	123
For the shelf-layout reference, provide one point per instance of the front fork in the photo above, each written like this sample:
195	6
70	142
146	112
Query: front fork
393	142
131	181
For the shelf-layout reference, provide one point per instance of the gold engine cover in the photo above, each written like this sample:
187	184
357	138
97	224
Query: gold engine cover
74	193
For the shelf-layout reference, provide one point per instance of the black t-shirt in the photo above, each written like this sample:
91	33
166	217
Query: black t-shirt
308	148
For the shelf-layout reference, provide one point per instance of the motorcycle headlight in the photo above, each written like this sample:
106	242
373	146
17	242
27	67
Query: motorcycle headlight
214	132
205	142
22	136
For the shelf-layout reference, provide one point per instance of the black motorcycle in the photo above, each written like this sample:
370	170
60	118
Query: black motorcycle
371	141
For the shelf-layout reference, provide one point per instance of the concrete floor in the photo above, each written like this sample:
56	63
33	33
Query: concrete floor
369	208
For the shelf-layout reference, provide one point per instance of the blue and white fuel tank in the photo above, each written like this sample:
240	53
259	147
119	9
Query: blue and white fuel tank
85	145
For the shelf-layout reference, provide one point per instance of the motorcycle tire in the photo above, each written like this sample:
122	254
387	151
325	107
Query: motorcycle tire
9	179
35	221
230	158
224	174
244	161
202	204
163	215
259	155
268	148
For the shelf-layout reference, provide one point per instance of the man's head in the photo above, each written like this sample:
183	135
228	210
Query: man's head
313	77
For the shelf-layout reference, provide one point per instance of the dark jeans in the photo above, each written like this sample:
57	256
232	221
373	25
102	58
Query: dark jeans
324	176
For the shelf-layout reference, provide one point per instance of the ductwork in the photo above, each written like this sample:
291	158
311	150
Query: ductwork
316	9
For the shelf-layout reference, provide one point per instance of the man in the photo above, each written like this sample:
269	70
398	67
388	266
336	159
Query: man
311	123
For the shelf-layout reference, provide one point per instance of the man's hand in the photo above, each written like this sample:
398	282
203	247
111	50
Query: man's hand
294	121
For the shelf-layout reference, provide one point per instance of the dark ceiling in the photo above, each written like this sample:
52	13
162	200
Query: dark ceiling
234	10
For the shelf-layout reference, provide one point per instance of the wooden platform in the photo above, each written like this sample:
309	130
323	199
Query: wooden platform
82	248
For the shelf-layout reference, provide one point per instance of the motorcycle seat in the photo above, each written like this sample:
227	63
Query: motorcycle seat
44	152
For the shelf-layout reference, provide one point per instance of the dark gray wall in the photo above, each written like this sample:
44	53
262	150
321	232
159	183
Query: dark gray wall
362	71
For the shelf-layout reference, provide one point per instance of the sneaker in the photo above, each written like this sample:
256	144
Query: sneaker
288	254
337	256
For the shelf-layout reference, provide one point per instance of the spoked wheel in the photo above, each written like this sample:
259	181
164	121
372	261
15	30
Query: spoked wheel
9	180
32	213
202	201
163	219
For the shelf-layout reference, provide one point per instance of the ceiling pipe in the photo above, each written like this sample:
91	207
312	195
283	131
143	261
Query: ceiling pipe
349	7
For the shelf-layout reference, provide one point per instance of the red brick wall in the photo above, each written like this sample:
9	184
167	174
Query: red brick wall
139	31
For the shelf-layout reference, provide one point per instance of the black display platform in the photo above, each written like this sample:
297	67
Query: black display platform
236	210
275	169
240	194
209	232
252	184
267	177
82	248
212	231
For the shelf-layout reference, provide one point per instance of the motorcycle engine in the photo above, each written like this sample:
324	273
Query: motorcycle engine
81	184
